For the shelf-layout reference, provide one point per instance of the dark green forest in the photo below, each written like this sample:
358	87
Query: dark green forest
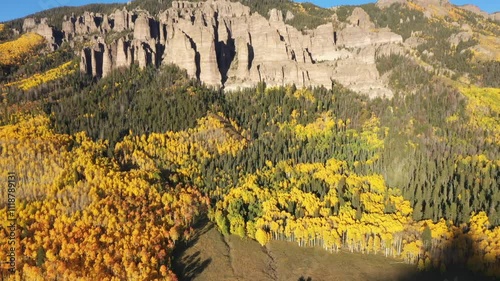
422	154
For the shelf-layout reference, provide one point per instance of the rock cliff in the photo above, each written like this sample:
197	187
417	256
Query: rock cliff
495	16
41	27
224	45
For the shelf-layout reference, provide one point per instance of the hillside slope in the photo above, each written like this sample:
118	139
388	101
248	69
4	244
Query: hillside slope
306	139
226	44
210	256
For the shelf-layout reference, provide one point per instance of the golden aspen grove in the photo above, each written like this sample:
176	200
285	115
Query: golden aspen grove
114	174
16	51
81	217
49	75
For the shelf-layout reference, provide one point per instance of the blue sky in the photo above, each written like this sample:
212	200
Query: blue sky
12	9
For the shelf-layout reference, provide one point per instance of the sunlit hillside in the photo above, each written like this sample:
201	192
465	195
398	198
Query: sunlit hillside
125	166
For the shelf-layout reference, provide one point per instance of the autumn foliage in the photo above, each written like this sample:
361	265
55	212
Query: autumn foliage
115	173
15	52
49	75
358	213
82	217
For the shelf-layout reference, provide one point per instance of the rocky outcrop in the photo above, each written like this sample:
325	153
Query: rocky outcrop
123	54
355	37
195	38
389	49
143	28
121	20
221	44
85	61
100	59
185	5
144	47
96	60
42	28
414	41
68	27
105	26
182	51
29	24
275	15
455	39
495	16
361	19
87	23
107	60
46	31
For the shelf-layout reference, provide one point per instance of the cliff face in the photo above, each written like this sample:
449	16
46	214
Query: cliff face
41	27
222	44
495	16
233	48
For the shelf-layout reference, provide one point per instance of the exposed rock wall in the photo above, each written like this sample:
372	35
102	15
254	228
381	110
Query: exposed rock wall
96	60
495	16
185	5
105	25
249	48
29	24
220	43
121	20
46	31
361	19
142	28
86	24
42	28
68	27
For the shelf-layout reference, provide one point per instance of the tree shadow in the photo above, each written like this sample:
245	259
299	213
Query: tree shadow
187	267
201	226
302	278
191	266
460	259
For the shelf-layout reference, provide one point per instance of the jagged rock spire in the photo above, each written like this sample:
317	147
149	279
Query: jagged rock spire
220	43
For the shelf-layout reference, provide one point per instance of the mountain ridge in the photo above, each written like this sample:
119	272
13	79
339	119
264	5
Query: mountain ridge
176	37
242	48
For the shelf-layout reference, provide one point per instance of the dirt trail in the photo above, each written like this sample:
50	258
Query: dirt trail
228	249
272	263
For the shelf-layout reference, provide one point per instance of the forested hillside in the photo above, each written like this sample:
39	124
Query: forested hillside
113	172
